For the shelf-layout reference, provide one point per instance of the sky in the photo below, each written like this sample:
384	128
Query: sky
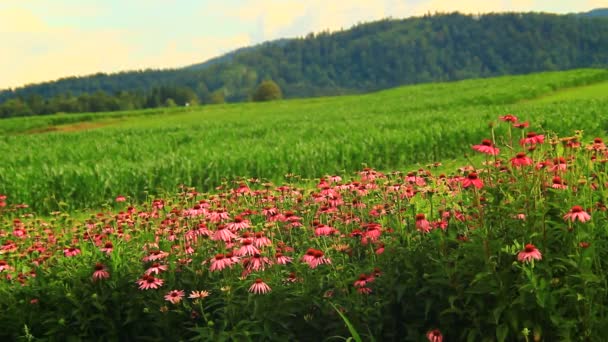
44	40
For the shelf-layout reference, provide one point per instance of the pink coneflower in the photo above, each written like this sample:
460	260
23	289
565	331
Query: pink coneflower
335	179
70	252
323	230
508	118
318	259
422	224
219	262
101	272
223	234
486	147
257	262
156	268
247	248
120	198
260	240
472	180
558	183
597	145
364	290
521	159
174	296
434	336
363	280
155	255
198	294
238	223
149	282
532	139
259	287
282	259
577	213
559	164
108	247
4	266
529	253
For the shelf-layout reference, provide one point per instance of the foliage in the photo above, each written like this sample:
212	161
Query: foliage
505	248
268	90
367	57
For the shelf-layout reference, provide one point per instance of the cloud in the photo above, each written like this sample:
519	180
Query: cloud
34	51
15	19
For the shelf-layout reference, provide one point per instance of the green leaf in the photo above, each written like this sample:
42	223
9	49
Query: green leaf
349	325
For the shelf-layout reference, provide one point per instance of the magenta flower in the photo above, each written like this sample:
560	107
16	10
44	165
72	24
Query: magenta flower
422	224
149	282
577	213
529	253
486	147
101	272
434	336
472	180
259	287
156	268
521	159
70	252
219	262
532	139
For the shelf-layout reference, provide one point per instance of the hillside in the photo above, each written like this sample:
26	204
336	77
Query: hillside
364	58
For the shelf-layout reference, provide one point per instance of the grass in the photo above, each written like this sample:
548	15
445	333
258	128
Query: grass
78	161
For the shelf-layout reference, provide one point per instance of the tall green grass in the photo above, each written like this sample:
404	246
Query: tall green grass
148	152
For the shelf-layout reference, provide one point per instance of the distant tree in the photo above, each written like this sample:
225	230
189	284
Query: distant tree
217	97
267	91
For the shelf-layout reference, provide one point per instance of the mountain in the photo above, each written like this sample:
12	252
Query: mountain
598	12
367	57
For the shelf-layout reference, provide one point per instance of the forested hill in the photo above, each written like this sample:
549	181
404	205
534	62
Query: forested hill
366	57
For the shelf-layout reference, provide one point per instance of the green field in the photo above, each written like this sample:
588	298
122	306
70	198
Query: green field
78	161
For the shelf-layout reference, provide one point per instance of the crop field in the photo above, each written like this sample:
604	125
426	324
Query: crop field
473	211
66	162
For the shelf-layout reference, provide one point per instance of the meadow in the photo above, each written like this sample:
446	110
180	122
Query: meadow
78	161
337	223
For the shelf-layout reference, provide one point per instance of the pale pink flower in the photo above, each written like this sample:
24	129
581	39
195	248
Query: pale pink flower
422	224
101	272
219	262
247	248
120	198
223	234
577	213
71	251
532	139
529	253
198	294
259	287
174	296
108	247
4	266
260	240
363	280
149	282
238	223
156	268
282	259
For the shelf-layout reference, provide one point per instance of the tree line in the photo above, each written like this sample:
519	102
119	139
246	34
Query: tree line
367	57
